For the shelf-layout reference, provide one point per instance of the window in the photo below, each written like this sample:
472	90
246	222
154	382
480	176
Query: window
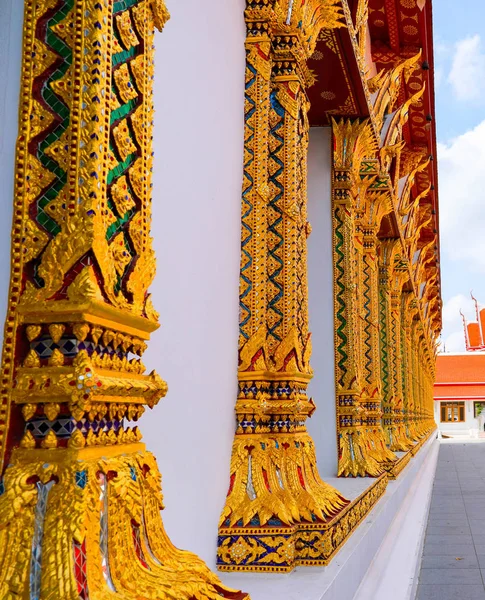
452	412
478	408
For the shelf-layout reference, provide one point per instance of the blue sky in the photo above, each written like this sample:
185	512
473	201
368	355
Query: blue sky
459	36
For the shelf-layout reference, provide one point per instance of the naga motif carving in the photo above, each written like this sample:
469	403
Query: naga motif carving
79	494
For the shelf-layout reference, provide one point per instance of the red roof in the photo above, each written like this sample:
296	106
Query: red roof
474	336
460	376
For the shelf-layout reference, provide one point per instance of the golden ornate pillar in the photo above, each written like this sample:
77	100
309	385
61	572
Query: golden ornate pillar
429	377
389	328
399	275
408	311
415	373
420	390
357	209
419	379
352	142
278	511
80	496
377	204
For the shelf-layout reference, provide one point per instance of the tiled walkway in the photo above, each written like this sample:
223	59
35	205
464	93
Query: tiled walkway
453	564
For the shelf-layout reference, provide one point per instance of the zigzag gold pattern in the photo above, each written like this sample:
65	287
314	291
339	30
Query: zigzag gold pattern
275	491
80	497
381	403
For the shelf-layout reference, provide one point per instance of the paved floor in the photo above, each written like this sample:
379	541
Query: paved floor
453	563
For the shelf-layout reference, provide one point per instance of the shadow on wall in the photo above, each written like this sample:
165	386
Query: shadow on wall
322	426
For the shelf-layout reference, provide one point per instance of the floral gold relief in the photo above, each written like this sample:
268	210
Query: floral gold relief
80	496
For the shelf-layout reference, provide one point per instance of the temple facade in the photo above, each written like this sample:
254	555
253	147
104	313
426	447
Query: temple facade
459	393
300	318
459	389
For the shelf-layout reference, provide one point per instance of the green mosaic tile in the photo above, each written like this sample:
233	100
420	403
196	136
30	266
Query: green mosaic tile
123	110
122	5
118	225
123	56
59	108
121	168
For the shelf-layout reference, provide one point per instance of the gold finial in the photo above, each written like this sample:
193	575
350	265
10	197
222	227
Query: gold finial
56	330
50	441
27	441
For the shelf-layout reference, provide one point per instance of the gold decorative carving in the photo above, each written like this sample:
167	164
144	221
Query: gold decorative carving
275	491
79	316
376	411
359	202
83	488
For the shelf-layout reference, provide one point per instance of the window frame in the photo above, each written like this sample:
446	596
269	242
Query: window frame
460	408
477	403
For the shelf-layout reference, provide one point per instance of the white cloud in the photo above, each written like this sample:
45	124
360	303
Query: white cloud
438	77
453	337
462	198
451	310
467	75
455	342
441	48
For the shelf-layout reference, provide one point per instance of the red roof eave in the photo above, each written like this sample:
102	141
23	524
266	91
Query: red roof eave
428	52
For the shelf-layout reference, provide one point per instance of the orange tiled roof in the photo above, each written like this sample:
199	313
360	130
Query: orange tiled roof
474	335
460	368
460	376
459	391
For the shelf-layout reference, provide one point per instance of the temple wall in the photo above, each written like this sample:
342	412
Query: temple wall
11	18
196	226
469	426
322	425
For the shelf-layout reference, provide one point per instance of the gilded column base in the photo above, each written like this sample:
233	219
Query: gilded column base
381	451
394	468
362	445
412	431
359	453
84	523
397	440
278	548
277	477
425	427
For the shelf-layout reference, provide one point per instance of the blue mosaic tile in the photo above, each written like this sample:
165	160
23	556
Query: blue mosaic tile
81	479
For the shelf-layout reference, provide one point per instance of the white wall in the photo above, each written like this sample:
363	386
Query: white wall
199	95
11	19
470	421
322	426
